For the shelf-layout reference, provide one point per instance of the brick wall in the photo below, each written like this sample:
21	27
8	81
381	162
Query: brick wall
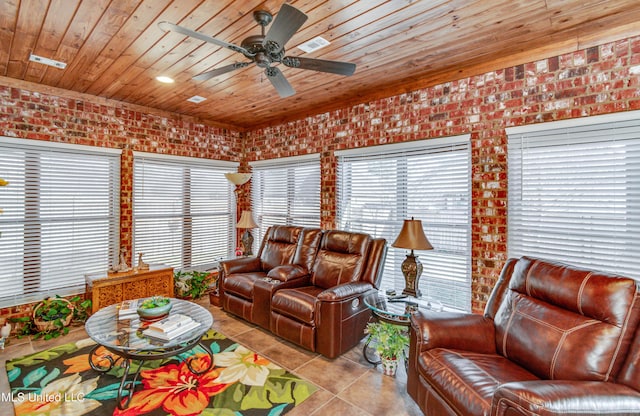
593	81
62	116
597	80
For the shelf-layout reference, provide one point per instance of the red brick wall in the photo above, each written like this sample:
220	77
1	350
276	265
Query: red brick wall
594	81
61	116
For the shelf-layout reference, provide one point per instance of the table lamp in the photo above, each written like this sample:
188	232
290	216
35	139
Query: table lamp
412	237
246	222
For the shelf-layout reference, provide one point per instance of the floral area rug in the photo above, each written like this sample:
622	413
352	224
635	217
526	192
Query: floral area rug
59	381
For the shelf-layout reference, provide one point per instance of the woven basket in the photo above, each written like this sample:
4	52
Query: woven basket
44	326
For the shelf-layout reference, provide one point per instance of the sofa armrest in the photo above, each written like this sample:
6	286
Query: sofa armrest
344	291
455	330
562	397
287	272
240	265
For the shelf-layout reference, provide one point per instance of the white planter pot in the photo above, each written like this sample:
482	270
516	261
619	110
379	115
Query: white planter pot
389	367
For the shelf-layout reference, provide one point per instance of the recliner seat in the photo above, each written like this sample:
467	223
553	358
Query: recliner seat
328	315
554	340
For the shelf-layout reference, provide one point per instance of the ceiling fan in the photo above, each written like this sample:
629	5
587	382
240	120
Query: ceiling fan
265	50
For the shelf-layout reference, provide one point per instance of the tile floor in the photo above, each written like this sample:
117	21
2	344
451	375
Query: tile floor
348	385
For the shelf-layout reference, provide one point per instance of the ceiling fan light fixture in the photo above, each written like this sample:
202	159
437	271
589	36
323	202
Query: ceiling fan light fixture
165	79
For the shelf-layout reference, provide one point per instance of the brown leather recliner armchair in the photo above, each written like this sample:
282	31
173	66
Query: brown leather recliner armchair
328	315
553	340
284	260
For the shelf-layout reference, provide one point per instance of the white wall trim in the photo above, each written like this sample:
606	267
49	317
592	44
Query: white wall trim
575	122
395	147
186	159
285	160
41	144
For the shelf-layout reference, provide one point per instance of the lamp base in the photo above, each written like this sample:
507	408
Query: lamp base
411	269
247	242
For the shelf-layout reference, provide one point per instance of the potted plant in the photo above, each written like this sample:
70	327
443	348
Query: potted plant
51	317
390	343
191	284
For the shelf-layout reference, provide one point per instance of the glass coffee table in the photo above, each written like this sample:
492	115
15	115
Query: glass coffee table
395	310
126	340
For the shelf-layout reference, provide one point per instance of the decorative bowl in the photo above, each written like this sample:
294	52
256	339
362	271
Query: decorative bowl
154	313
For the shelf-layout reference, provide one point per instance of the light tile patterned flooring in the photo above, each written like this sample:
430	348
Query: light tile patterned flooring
347	385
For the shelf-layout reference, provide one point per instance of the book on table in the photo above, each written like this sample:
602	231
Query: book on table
171	327
128	309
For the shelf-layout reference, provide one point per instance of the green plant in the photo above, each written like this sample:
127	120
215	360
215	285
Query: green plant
51	317
390	340
155	302
191	284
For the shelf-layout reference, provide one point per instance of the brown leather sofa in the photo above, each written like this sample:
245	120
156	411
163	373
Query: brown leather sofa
328	315
553	340
323	277
284	259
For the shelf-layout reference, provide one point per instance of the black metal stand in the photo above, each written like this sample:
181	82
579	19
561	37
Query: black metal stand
127	387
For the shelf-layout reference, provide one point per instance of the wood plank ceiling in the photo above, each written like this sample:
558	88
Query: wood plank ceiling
115	49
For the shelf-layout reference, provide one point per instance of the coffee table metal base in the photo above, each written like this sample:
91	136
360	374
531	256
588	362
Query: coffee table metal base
127	387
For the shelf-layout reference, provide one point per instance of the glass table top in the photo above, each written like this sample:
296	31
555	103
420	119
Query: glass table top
398	309
106	329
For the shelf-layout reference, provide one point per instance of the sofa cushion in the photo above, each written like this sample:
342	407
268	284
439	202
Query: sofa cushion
341	258
467	380
242	284
555	315
298	303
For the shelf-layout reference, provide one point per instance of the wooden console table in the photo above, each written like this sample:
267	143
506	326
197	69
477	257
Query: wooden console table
108	288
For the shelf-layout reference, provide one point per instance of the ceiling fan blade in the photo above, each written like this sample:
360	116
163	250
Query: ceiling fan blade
334	67
219	71
166	26
286	24
279	82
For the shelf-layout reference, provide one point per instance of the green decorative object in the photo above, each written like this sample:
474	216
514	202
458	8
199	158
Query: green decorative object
390	342
154	308
191	284
51	317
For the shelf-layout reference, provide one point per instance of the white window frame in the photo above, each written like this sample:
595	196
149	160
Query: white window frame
574	192
443	268
294	210
177	250
49	235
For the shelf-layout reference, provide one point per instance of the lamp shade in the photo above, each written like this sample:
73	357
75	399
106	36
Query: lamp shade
238	178
246	220
412	236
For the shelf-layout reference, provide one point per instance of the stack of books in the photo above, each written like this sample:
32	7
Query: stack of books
171	327
128	309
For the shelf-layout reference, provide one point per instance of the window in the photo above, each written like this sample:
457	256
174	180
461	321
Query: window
379	187
574	192
61	217
183	210
286	191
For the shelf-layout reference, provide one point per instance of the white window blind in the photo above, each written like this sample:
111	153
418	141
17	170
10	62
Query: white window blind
285	191
379	187
61	217
574	192
183	210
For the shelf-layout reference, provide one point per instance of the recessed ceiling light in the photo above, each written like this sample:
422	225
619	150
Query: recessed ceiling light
196	99
164	79
314	44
